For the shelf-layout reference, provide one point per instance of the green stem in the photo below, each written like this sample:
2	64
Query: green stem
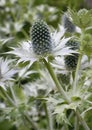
31	121
78	64
61	90
76	74
49	117
76	124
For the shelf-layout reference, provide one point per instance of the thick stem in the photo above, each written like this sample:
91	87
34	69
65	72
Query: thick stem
76	124
76	74
49	117
61	90
78	64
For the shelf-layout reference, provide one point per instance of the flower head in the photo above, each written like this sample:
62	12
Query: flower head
41	39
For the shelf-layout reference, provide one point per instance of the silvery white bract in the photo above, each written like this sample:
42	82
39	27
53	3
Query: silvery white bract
24	52
6	72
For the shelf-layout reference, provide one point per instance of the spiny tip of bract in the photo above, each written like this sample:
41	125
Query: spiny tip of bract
41	38
72	60
67	23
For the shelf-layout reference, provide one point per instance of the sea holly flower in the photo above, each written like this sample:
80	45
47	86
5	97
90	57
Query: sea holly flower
6	72
43	44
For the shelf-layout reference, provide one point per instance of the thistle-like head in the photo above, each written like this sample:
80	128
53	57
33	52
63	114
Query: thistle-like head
41	38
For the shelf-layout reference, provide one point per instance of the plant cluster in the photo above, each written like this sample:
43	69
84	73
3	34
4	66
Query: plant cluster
45	72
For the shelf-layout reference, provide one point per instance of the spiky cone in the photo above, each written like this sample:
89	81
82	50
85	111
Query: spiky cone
41	39
67	23
72	60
